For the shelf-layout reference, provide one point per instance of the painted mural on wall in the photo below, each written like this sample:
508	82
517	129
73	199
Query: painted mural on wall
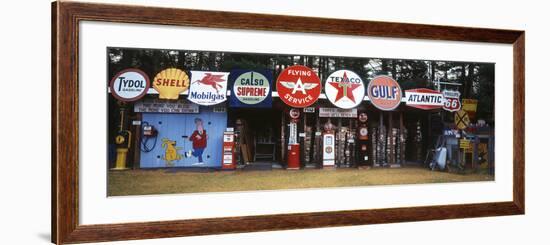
200	142
171	152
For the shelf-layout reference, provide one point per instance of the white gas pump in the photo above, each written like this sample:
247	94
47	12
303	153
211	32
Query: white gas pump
328	145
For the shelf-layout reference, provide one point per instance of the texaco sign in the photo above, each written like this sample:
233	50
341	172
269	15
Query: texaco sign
344	89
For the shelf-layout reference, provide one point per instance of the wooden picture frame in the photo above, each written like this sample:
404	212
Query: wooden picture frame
65	121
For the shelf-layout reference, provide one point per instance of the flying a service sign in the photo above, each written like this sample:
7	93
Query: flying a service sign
298	86
250	88
344	89
423	98
208	88
129	85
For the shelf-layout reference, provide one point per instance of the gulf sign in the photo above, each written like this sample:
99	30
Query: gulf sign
384	93
425	99
129	85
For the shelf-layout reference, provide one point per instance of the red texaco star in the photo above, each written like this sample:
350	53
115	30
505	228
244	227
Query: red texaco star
345	88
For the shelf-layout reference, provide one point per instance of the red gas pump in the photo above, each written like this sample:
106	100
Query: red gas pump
229	156
293	156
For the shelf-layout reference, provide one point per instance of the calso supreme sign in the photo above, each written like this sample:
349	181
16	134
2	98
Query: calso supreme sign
129	85
251	88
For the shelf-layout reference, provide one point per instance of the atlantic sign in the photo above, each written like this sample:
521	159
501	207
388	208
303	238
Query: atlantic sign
344	89
423	98
298	86
250	88
129	85
384	93
208	88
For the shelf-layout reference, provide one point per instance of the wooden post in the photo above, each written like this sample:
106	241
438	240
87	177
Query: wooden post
136	132
283	141
389	133
402	144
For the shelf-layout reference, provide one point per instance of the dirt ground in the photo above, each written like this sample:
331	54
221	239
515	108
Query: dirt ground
164	181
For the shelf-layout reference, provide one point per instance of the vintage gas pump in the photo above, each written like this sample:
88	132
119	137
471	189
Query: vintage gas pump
293	156
122	142
328	144
229	153
362	140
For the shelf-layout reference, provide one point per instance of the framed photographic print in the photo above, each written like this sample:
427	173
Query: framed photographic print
175	122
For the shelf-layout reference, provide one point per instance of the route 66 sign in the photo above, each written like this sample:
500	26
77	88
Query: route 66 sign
452	100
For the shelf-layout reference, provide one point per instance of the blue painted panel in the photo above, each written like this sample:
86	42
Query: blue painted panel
178	128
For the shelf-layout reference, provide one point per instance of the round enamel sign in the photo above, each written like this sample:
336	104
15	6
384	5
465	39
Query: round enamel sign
344	89
251	88
294	113
129	85
384	93
298	86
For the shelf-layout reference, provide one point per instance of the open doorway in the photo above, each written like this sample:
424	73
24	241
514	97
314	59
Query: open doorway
257	132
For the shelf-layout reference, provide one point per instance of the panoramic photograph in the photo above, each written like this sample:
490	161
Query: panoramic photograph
195	121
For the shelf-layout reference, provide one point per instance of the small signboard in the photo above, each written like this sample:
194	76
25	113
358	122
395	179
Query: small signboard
465	144
470	106
309	110
461	119
337	112
452	100
165	106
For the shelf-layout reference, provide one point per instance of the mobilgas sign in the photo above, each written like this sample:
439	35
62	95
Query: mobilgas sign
423	98
250	88
208	88
129	85
344	89
384	93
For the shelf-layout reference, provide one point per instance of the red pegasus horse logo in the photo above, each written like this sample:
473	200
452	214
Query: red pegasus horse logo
212	80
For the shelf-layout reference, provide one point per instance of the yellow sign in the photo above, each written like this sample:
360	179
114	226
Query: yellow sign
464	144
470	106
170	82
461	119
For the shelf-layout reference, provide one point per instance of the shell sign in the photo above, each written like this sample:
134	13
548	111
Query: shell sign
170	83
384	93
